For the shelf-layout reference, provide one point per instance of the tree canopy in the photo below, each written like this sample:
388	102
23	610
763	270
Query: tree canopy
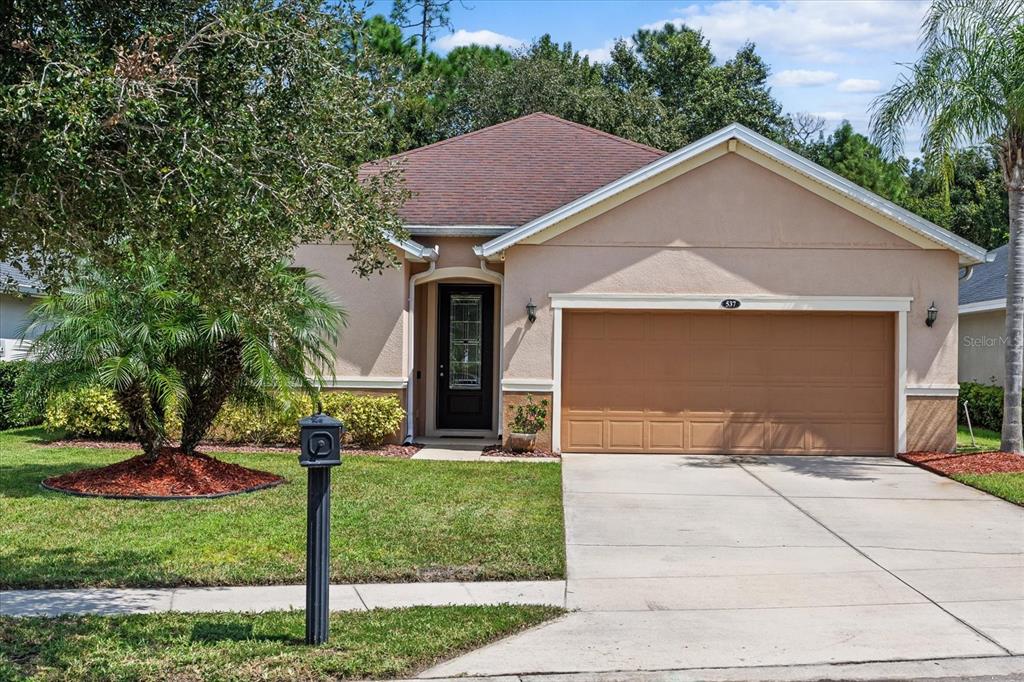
223	132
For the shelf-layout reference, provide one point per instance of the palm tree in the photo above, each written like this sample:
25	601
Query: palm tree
967	88
161	351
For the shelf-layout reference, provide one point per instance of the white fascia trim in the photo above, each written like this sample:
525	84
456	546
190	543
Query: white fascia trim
527	385
414	251
714	302
458	230
969	252
983	306
949	390
367	382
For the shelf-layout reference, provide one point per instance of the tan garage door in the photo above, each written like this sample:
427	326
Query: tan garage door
731	382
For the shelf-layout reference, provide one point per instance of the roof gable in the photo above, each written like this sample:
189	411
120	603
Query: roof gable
511	173
738	139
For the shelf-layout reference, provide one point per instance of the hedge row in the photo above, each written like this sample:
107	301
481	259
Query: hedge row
14	411
93	413
985	404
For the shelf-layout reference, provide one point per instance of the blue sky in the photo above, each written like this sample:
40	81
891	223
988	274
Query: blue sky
828	57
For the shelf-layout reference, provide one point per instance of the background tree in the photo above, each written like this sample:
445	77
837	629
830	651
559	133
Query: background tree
426	16
853	156
968	87
227	128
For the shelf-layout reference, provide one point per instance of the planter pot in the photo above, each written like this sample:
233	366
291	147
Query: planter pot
521	442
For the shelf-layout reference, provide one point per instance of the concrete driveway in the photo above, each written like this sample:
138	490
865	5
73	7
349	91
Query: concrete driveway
679	562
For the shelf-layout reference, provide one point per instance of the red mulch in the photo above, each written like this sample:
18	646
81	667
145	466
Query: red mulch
499	451
173	474
396	451
967	463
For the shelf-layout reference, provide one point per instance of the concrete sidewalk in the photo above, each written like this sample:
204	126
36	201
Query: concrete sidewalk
978	669
277	597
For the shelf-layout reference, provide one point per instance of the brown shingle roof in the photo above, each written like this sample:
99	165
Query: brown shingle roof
512	172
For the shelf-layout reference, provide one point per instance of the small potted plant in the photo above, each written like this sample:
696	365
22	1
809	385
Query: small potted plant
527	421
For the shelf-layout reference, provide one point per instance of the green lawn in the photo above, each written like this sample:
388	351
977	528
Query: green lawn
986	440
266	646
392	520
1007	486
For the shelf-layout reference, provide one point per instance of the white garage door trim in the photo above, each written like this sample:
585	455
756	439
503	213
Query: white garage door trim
618	301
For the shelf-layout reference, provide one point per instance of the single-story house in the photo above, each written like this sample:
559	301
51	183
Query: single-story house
728	297
17	294
983	321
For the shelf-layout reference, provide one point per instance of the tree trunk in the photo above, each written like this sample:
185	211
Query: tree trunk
1012	439
145	426
207	395
425	29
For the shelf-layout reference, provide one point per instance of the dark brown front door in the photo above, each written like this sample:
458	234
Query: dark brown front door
465	338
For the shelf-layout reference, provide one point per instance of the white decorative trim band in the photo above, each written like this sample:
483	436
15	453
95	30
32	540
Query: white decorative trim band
367	382
947	391
527	385
748	302
983	306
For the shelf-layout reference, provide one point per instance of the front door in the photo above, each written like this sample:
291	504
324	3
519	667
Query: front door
465	338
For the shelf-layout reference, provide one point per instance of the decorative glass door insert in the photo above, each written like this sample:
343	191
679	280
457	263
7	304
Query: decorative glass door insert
464	341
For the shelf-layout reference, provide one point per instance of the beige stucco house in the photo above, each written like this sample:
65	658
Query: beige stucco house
983	321
729	297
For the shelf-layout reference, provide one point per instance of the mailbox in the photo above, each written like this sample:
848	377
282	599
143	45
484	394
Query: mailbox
320	441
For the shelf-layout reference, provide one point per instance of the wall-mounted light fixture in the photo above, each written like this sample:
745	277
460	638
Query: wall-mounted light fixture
933	312
531	311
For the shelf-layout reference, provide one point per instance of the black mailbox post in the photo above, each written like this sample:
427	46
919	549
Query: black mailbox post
320	450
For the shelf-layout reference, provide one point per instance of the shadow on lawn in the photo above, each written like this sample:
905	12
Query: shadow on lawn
23	481
58	568
210	632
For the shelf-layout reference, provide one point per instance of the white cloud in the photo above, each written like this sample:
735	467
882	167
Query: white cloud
601	55
860	85
830	115
463	38
824	31
802	78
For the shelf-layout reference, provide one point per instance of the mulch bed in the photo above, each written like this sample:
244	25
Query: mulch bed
499	451
396	451
173	475
947	463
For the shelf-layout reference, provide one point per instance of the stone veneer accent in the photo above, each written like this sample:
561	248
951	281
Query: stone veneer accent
931	423
512	399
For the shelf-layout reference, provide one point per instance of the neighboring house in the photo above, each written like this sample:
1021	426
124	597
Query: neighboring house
983	321
730	297
15	301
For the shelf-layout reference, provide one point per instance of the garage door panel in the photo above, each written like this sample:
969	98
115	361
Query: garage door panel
583	434
627	435
666	435
707	436
742	382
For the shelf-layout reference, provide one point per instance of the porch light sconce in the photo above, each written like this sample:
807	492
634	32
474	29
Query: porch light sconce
933	312
531	311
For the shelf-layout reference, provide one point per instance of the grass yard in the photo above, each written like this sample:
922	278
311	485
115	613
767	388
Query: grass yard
986	440
266	646
1010	487
392	520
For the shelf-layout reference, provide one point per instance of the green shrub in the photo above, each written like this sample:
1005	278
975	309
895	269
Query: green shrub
985	404
15	407
90	412
368	419
529	418
93	413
